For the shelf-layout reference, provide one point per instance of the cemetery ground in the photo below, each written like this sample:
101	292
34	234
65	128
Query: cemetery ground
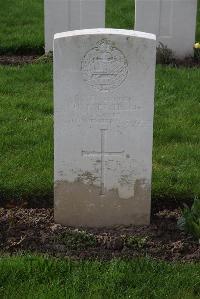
27	181
42	260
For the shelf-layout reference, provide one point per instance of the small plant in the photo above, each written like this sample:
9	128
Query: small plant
197	52
76	240
45	58
164	54
190	220
135	242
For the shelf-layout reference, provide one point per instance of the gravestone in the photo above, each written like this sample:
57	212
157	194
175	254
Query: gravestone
104	104
173	22
65	15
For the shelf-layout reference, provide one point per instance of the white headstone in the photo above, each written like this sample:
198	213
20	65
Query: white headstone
64	15
173	22
104	104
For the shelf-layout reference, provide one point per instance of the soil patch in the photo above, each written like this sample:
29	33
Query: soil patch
188	62
34	230
17	59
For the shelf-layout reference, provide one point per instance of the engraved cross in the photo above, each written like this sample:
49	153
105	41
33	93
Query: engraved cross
102	155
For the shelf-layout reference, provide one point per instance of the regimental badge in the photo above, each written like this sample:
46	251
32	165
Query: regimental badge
104	67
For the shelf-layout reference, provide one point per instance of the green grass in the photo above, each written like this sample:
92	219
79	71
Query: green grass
120	14
40	277
22	25
198	22
26	132
176	158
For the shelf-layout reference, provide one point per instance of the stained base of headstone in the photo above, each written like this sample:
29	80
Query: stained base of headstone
78	204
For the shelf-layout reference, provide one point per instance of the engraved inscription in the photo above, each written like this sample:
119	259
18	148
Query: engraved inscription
106	104
117	111
102	155
104	67
121	112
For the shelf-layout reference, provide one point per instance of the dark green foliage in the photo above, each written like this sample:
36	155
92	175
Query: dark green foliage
190	220
164	55
197	54
198	22
135	242
77	240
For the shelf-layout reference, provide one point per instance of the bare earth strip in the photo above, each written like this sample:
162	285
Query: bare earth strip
14	60
34	230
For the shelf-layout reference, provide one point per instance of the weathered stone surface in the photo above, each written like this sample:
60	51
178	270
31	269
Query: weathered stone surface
104	103
173	22
65	15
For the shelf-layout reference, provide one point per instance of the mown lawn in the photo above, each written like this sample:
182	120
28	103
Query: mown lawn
40	277
22	25
26	117
26	131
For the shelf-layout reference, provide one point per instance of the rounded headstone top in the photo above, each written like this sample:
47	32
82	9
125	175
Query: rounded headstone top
108	31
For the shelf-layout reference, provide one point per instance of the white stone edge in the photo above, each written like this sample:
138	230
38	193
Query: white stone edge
97	31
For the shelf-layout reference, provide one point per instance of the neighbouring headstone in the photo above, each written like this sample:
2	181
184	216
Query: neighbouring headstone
173	22
65	15
104	104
